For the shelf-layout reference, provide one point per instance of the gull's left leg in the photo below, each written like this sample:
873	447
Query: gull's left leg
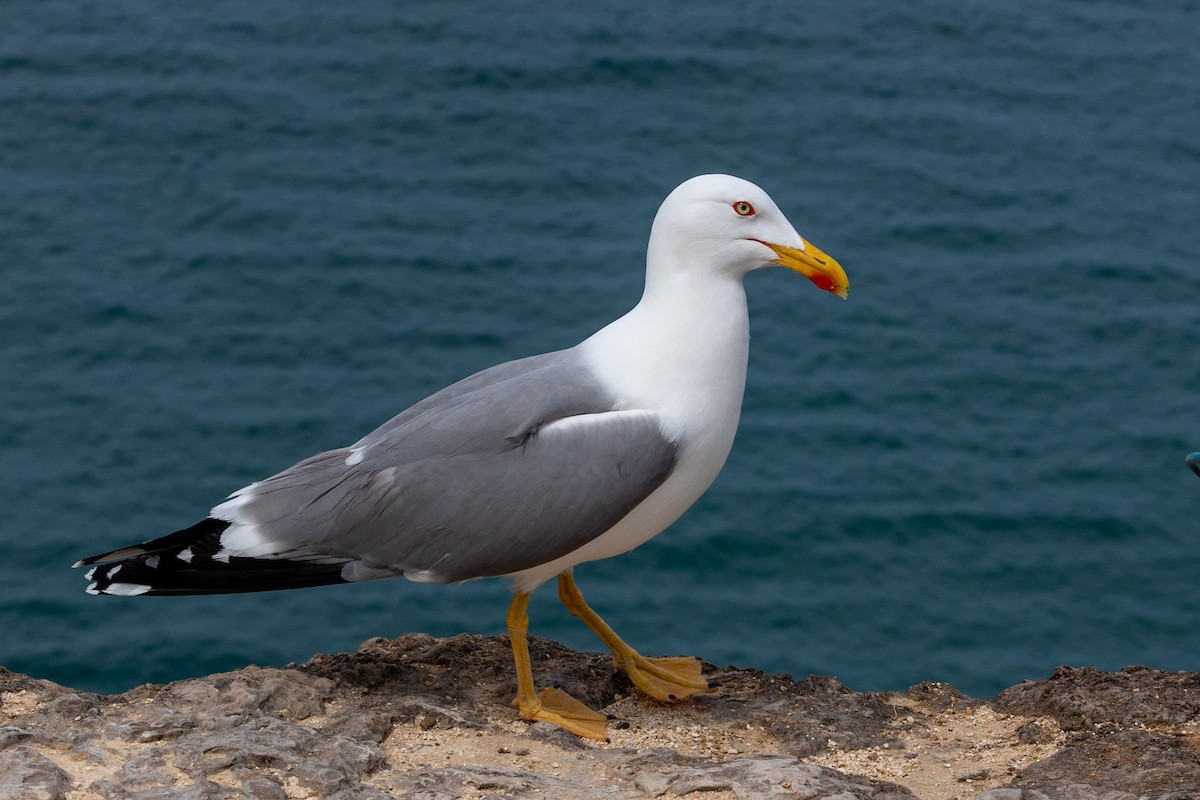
552	705
661	678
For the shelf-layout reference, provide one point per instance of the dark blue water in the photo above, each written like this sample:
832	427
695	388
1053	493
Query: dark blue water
234	234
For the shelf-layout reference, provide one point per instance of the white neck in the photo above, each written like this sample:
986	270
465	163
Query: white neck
680	352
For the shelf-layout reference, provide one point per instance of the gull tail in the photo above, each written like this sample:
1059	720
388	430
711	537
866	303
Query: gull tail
192	561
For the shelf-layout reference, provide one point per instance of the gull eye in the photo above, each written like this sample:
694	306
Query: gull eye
743	208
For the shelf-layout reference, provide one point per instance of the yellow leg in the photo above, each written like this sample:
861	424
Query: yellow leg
552	705
662	678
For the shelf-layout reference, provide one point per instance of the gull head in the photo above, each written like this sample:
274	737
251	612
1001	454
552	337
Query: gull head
726	226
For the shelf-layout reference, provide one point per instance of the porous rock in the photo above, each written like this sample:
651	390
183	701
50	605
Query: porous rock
1090	699
426	718
26	774
765	778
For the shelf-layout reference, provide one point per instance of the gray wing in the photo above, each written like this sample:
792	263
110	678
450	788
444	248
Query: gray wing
474	481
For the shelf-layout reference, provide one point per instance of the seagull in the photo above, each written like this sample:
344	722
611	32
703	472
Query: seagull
526	469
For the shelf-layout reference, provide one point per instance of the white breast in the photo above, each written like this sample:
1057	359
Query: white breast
681	356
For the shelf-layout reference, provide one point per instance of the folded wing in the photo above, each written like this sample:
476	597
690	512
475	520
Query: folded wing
511	468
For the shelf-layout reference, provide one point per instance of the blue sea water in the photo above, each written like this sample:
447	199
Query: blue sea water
234	234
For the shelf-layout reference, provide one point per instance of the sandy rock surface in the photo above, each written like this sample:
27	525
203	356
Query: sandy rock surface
419	717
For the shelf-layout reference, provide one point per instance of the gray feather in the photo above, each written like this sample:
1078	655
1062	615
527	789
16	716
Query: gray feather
461	486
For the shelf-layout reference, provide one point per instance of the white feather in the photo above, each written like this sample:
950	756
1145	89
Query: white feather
358	571
681	353
122	589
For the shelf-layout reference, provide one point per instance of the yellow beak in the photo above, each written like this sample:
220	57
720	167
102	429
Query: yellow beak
813	264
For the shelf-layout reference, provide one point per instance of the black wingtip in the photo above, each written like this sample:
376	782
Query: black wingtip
114	555
165	576
193	561
179	539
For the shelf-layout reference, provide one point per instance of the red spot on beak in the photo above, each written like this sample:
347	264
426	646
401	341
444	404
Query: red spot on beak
822	282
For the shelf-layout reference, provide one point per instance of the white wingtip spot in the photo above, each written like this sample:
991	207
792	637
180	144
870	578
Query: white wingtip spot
125	589
91	589
90	574
152	562
77	564
185	555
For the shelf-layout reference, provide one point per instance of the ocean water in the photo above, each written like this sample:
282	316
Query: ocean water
234	234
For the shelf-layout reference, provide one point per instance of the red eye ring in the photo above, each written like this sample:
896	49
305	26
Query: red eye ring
743	209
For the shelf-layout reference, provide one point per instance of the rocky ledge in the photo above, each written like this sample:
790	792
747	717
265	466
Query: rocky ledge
419	717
